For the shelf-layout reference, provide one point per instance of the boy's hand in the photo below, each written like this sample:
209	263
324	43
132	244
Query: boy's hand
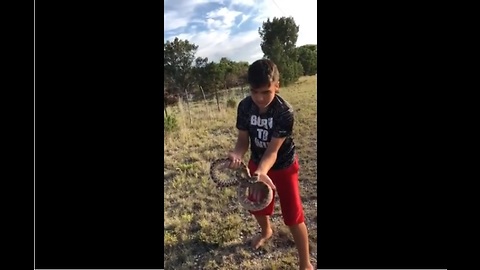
235	160
265	178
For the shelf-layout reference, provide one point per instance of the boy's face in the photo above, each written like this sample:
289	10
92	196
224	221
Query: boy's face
263	96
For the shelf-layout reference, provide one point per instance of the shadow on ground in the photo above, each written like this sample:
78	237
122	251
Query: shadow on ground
184	256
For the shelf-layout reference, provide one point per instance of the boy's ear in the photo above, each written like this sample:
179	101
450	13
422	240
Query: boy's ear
277	86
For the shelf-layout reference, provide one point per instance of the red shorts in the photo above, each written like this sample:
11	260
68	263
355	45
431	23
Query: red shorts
286	182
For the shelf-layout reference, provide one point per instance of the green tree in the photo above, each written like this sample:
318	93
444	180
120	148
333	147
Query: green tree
279	37
178	66
307	56
200	72
215	78
225	69
178	63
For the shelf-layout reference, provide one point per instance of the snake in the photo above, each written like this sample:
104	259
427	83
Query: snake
244	182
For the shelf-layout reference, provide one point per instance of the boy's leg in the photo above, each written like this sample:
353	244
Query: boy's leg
292	210
267	232
263	218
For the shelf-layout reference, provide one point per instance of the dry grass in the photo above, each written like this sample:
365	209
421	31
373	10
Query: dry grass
205	228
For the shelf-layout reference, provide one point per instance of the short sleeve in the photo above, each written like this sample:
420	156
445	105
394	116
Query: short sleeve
242	115
283	123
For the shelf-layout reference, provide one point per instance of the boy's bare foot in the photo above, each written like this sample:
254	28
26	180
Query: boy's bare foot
259	239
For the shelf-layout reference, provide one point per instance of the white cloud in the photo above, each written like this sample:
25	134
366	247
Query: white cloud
222	34
178	13
244	18
304	12
222	18
173	20
243	2
218	44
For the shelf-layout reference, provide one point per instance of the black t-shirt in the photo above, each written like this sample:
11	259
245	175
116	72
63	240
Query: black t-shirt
276	122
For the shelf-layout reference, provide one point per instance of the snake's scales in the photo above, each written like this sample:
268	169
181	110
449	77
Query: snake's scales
244	182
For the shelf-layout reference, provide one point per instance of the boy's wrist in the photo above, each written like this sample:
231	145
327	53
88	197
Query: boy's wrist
260	171
238	152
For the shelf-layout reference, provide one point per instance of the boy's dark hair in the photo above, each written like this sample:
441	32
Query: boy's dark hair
262	73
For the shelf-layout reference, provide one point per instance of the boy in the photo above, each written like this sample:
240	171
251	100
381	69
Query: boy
266	120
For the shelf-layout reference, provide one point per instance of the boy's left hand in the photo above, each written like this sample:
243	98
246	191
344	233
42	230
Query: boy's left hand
265	178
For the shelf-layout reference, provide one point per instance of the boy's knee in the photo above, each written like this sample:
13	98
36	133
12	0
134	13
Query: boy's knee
267	211
294	220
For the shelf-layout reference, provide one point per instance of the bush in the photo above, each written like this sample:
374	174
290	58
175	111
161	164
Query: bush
231	103
170	123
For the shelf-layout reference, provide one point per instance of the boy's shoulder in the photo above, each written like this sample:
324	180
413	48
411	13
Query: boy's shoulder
246	103
282	106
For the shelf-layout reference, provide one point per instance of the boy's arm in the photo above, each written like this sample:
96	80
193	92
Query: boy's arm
270	156
243	141
283	127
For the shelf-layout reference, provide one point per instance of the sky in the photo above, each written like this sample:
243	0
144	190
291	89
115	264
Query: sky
229	28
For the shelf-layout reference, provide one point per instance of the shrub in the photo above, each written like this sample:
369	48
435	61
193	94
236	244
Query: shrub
231	103
170	123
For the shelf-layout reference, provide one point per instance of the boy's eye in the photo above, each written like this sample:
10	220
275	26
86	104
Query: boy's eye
262	92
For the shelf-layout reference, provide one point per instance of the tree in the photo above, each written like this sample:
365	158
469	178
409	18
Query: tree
279	37
215	79
238	74
224	69
285	30
307	56
178	61
200	72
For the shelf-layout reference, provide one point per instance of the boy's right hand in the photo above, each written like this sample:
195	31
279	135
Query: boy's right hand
235	160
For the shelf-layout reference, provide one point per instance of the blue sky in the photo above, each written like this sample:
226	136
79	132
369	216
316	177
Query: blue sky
229	28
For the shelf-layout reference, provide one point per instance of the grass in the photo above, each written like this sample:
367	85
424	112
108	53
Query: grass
205	228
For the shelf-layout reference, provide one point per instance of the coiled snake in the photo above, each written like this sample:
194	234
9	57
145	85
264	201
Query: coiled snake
244	182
